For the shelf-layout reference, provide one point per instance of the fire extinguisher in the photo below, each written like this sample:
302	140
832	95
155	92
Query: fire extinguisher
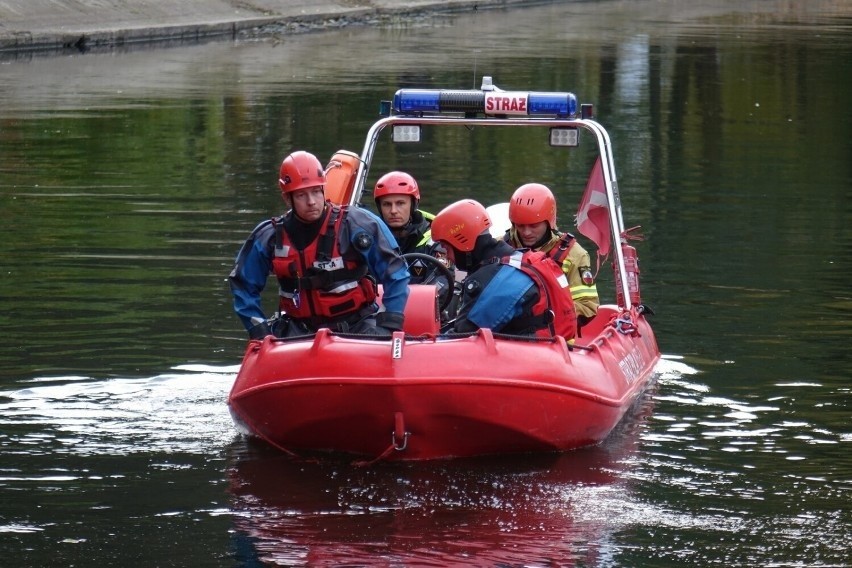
631	268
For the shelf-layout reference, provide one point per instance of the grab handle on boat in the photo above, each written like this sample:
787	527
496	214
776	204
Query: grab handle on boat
399	441
625	326
399	438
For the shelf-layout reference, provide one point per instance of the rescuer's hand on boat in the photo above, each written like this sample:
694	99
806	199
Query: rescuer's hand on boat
391	321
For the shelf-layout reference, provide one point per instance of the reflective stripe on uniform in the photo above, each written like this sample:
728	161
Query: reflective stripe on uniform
427	236
583	291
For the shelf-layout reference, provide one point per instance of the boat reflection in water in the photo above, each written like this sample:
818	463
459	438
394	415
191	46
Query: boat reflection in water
542	509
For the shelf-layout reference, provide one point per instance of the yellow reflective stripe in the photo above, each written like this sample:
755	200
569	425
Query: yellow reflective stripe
427	236
582	291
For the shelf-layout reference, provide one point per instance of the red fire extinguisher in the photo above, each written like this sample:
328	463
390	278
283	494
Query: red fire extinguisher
631	268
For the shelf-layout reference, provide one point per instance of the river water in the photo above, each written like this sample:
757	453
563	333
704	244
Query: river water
129	179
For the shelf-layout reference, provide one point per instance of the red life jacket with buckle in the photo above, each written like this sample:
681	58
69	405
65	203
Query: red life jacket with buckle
560	250
554	293
319	282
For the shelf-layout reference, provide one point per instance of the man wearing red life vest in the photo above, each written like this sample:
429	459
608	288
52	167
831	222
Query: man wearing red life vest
325	258
508	291
532	211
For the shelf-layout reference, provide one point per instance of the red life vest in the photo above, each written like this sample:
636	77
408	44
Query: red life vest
554	295
318	282
560	250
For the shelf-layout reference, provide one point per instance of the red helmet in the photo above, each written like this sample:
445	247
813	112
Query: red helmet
300	170
532	203
460	223
397	183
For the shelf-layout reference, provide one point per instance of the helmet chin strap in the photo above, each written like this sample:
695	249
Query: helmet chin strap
467	260
545	238
406	229
302	219
463	260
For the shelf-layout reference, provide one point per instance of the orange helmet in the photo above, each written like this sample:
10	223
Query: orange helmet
397	183
460	223
300	170
532	203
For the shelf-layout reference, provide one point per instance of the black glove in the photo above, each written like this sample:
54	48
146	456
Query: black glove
259	331
392	321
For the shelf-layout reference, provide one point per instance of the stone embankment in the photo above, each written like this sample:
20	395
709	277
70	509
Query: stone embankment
47	25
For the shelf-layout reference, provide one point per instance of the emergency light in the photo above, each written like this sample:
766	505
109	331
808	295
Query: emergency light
564	137
406	133
489	102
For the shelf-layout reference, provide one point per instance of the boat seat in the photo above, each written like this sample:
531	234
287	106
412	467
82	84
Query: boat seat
421	310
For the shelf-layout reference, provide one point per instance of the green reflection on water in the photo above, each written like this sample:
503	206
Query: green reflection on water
123	206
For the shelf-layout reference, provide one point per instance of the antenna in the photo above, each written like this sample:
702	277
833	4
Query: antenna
475	54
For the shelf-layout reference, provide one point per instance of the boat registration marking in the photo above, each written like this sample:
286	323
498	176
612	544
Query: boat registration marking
396	347
631	365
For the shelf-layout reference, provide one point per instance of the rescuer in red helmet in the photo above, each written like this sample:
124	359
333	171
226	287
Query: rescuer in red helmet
508	291
323	256
397	198
532	212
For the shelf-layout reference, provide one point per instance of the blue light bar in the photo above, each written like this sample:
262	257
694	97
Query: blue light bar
559	104
406	101
488	102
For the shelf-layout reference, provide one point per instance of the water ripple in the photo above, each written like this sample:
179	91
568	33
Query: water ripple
181	411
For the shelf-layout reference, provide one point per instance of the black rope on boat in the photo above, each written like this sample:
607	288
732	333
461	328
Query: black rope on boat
399	441
432	337
367	463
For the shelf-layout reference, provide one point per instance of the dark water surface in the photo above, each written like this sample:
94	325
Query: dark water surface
129	180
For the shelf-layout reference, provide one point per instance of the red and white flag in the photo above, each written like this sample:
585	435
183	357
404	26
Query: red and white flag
593	214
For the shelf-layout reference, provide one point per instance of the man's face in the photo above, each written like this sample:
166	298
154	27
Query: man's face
456	258
308	203
450	252
531	234
395	210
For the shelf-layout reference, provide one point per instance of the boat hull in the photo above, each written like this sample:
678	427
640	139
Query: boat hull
417	398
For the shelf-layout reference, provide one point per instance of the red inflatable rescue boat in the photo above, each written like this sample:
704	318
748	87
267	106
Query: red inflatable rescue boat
425	394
